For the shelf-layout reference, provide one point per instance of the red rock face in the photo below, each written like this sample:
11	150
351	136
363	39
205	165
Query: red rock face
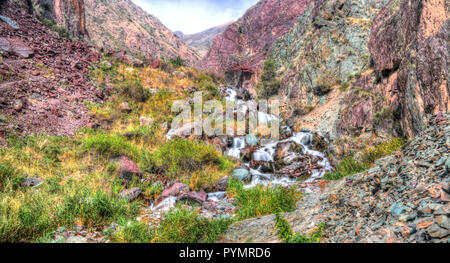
71	14
409	47
249	40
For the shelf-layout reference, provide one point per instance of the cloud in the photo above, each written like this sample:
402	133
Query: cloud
192	16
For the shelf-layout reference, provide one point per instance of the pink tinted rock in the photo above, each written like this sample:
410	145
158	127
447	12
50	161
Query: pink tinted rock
176	189
196	197
128	169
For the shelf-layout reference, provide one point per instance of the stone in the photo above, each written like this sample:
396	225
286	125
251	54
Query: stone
31	182
10	22
130	194
145	121
125	107
128	169
438	232
195	197
445	197
76	239
176	190
251	140
105	64
18	105
222	184
241	174
443	221
444	210
19	48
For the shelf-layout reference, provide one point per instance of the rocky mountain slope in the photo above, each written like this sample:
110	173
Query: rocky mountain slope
202	41
120	24
405	197
115	25
248	41
44	78
385	63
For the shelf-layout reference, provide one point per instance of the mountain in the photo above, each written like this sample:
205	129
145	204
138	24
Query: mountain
115	25
248	41
202	41
355	67
120	24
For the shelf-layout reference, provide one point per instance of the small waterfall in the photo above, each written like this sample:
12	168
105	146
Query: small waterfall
266	154
238	144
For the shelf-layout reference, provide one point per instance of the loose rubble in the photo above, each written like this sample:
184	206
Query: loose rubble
403	198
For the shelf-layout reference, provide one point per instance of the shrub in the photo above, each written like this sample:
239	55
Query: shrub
177	62
132	88
95	209
259	201
10	180
178	156
350	166
135	232
108	145
269	85
286	235
185	226
24	218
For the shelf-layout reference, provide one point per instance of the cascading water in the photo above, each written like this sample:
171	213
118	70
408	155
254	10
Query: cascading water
266	154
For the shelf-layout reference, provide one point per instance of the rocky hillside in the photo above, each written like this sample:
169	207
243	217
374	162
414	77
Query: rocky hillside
120	24
115	25
44	78
202	41
366	66
248	41
405	197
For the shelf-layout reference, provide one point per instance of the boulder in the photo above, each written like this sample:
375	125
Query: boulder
251	140
145	121
242	174
287	150
176	190
31	182
125	107
222	184
16	46
194	197
130	194
128	169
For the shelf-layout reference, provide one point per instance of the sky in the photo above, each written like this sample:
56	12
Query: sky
193	16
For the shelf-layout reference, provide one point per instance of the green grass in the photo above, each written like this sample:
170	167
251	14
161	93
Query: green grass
29	215
185	226
178	157
287	235
350	166
260	201
10	179
108	145
95	209
178	226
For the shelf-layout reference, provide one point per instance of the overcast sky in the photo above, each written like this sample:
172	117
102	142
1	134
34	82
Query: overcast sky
192	16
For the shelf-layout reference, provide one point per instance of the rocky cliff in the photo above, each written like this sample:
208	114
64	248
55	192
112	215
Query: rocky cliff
202	41
249	40
350	67
120	24
69	14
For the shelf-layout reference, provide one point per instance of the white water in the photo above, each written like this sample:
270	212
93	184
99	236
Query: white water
265	153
